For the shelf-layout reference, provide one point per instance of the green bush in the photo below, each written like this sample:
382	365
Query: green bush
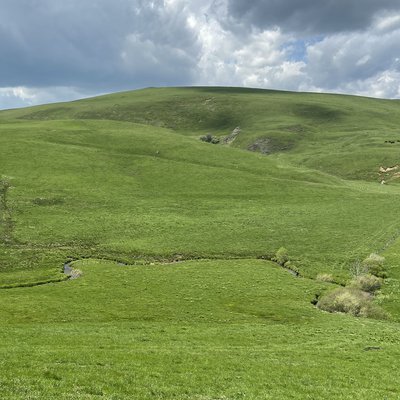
352	301
210	139
281	256
374	265
368	283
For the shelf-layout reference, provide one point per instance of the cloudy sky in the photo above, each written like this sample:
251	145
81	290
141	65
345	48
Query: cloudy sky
55	50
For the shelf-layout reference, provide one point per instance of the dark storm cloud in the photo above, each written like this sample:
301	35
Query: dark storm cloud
309	17
97	44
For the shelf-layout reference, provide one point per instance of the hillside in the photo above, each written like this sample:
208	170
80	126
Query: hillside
173	238
347	136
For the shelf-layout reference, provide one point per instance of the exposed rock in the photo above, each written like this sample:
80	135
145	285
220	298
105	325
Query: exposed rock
388	169
71	272
262	145
387	174
230	138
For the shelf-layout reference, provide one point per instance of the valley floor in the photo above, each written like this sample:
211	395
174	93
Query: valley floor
193	330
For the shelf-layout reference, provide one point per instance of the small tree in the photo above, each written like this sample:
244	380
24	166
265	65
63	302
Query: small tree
6	222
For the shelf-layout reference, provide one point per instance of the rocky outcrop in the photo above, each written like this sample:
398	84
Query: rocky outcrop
231	138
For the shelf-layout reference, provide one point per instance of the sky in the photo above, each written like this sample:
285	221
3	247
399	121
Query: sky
59	50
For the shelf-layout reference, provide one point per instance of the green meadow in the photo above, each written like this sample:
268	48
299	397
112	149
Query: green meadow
177	295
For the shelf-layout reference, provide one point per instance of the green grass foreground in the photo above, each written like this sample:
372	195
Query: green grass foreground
192	330
125	177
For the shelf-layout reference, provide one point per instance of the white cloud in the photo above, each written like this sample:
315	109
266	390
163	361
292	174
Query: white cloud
385	84
361	62
387	22
15	97
258	59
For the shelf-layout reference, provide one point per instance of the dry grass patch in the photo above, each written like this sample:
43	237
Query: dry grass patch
352	301
325	278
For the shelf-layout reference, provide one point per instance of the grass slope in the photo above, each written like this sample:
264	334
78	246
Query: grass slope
125	177
105	187
343	135
193	330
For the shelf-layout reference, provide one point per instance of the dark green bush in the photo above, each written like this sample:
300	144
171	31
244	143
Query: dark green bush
210	139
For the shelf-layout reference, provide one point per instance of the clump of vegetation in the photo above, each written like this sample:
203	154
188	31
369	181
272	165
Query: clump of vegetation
367	283
356	298
374	265
351	300
344	300
210	139
281	256
325	278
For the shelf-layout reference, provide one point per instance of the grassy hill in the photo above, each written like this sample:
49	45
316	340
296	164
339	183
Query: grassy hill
125	182
342	135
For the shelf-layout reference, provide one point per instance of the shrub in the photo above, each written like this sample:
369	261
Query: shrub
358	268
352	301
374	265
368	283
375	312
209	139
344	300
376	258
281	256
